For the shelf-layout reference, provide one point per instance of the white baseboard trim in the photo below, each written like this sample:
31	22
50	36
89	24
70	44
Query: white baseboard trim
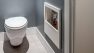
44	42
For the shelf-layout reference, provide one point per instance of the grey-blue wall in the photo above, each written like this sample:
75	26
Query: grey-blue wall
10	8
40	24
33	11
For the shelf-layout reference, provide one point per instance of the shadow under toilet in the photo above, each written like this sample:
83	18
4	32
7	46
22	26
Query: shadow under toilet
8	48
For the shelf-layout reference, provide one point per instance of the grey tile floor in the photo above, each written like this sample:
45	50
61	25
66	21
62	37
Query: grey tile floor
31	44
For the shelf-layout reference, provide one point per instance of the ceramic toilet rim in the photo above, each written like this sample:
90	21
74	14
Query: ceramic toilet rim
15	27
15	21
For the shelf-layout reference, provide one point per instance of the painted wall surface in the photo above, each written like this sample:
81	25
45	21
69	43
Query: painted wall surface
33	10
84	26
10	8
40	20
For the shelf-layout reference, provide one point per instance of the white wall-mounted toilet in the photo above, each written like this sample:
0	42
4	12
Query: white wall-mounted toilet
16	29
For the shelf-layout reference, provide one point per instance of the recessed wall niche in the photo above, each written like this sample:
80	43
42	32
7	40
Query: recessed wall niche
52	23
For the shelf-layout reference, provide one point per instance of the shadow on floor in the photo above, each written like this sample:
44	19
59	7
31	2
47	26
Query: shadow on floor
23	48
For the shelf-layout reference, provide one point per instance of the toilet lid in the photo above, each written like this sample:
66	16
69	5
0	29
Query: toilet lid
15	21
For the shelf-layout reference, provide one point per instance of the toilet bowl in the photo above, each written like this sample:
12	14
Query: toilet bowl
15	28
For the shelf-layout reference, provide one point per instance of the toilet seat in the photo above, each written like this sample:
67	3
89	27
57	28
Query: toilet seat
15	22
